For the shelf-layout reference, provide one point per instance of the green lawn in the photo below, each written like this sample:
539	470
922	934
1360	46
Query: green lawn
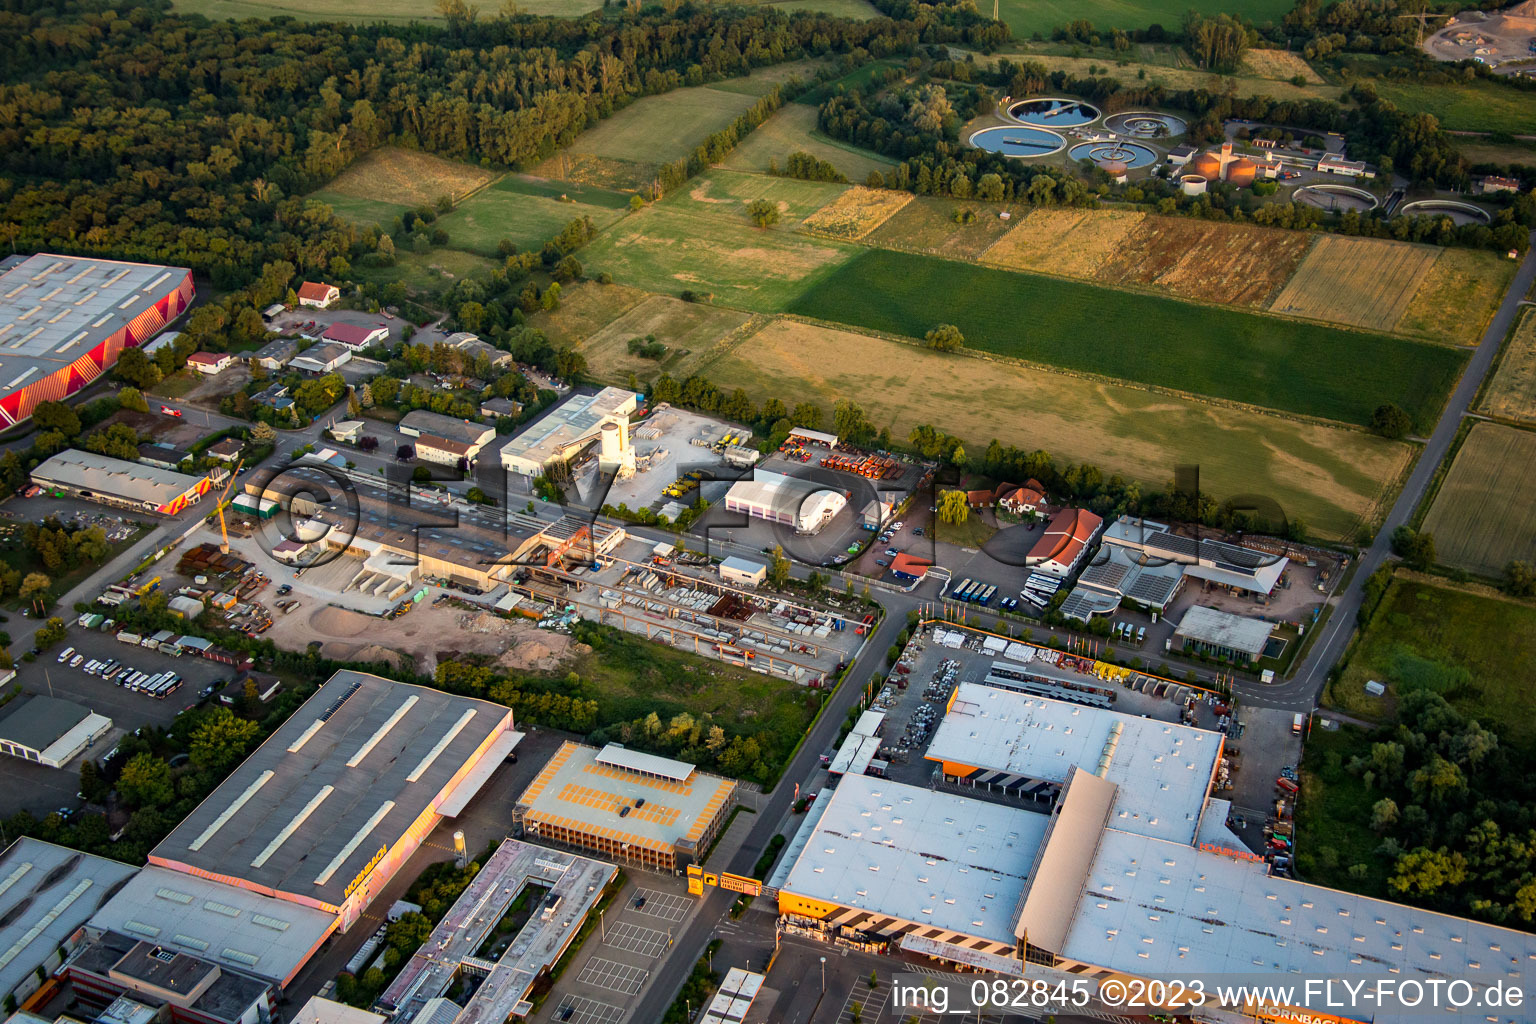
1222	353
683	245
793	130
363	212
529	212
1477	106
1026	17
725	194
429	271
1494	640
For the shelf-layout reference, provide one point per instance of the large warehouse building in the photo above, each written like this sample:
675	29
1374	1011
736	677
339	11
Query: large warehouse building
64	320
1127	870
120	483
50	731
567	428
626	805
327	809
802	504
46	893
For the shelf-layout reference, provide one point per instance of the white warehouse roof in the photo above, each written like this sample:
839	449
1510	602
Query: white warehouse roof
1163	770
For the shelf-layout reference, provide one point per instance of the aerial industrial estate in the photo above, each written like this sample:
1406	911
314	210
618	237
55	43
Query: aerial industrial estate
656	514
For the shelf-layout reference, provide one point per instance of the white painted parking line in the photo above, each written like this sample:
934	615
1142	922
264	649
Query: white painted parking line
579	1010
614	976
664	905
647	942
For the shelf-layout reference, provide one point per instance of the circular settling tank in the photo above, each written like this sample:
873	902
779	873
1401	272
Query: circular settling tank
1460	213
1019	141
1054	112
1106	153
1193	184
1335	198
1146	124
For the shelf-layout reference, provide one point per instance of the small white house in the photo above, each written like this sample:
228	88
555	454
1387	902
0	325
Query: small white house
210	363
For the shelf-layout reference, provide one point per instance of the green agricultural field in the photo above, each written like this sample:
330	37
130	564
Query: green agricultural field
394	11
1223	353
682	245
1476	106
1484	515
1026	17
793	130
528	212
1173	77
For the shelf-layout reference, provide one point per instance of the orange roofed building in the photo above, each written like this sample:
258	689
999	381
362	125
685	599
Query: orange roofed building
1068	536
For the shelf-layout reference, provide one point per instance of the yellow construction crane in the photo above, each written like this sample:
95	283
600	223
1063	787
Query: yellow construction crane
224	530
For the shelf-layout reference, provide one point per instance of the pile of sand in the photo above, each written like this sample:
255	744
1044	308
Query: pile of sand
341	622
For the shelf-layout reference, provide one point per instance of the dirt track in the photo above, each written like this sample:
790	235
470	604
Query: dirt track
422	635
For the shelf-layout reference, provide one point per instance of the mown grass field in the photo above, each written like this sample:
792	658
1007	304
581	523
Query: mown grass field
859	78
856	212
1278	64
793	130
727	193
527	212
1129	72
1231	264
407	177
680	244
1475	106
1484	515
928	224
1363	282
393	11
1458	297
1511	395
429	271
1329	477
688	329
362	212
1223	353
1026	17
1071	243
586	307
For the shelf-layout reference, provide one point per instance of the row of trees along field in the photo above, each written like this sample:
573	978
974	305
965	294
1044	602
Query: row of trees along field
920	125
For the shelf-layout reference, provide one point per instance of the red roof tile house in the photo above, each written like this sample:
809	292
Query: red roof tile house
1021	499
978	499
318	295
210	362
1068	537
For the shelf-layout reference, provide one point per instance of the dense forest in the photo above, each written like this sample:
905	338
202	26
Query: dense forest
147	135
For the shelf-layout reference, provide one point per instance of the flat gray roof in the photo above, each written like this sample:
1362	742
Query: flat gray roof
1163	769
575	884
1151	908
573	421
345	776
38	722
102	474
921	855
1223	629
55	309
39	879
449	427
225	924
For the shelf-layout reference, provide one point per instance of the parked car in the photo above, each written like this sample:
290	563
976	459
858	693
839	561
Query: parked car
76	661
167	410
